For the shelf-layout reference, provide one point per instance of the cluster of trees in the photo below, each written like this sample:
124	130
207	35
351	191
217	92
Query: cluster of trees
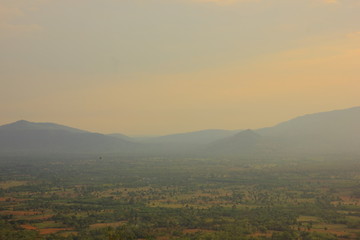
225	200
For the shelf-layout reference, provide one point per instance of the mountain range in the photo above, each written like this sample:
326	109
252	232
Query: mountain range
28	137
334	132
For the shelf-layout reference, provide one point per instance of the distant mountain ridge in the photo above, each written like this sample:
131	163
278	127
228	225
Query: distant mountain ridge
196	137
244	142
121	136
331	132
24	136
334	132
337	120
243	138
26	125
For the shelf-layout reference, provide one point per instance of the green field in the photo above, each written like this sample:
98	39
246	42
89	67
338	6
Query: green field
178	198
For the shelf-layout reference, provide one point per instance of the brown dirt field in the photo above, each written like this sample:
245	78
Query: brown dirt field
349	199
258	234
102	225
28	227
336	233
195	230
44	217
45	231
11	199
19	213
9	184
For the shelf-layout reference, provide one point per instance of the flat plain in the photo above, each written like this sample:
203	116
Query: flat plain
180	198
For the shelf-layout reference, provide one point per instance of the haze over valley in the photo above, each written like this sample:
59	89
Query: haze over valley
179	120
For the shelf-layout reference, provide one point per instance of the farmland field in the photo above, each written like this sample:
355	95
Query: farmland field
179	198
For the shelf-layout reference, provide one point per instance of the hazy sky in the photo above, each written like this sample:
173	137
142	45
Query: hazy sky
166	66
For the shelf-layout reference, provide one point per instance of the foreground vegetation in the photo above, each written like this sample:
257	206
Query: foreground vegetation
178	198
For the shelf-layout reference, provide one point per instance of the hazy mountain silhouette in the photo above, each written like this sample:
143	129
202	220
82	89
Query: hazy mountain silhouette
244	138
196	137
23	136
327	132
244	142
121	136
184	144
335	132
23	125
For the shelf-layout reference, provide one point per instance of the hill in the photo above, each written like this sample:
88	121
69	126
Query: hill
326	132
196	137
334	132
29	137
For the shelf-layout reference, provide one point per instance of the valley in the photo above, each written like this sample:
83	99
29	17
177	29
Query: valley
179	198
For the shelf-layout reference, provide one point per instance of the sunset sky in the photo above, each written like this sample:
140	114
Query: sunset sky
164	66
